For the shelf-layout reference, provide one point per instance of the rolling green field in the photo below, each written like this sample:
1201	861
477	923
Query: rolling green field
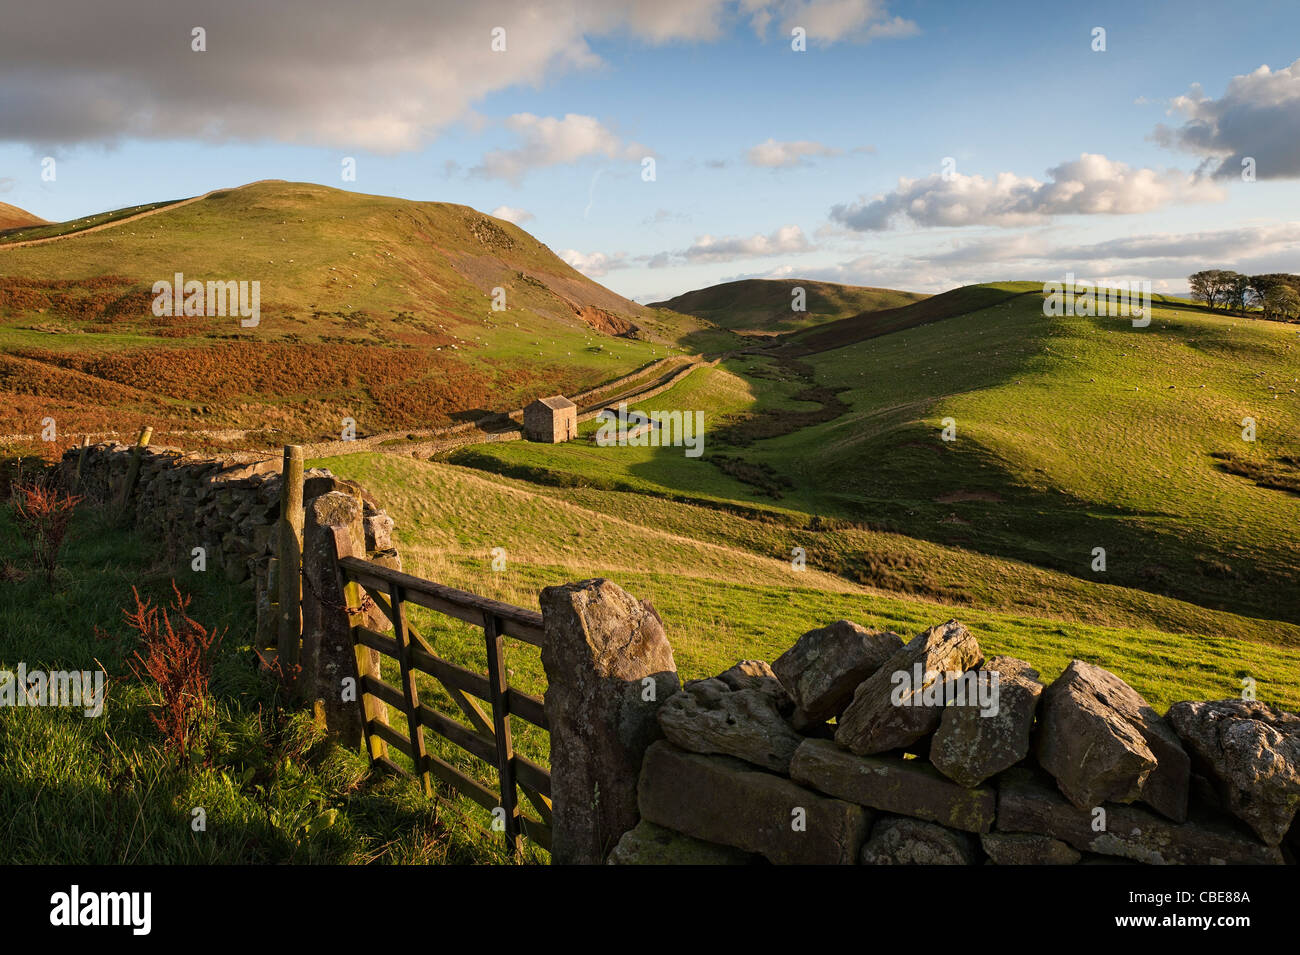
961	456
1069	437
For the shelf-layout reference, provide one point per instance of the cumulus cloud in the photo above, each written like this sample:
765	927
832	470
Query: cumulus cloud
781	155
787	240
548	141
385	75
1217	245
594	264
828	21
1258	116
1164	259
511	214
1090	185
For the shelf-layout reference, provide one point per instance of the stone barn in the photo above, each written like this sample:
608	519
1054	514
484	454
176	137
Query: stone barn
551	420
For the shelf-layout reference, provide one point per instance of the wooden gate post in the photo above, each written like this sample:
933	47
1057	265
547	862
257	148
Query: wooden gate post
290	559
133	471
81	459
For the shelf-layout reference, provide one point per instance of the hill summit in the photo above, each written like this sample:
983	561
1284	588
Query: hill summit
11	217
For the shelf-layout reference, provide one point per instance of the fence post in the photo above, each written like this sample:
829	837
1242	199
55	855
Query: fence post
81	459
608	667
290	559
133	471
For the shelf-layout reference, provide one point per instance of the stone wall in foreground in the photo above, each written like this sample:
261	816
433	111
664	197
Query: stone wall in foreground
228	505
842	751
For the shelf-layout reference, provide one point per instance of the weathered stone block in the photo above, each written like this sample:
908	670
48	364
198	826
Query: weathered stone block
1103	742
909	787
648	844
1027	802
724	800
608	667
891	708
825	666
1251	753
1027	848
897	840
972	744
710	717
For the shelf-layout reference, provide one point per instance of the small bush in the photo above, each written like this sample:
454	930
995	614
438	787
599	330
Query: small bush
178	658
42	514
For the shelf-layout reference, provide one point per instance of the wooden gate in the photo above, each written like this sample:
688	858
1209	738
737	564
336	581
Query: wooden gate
488	735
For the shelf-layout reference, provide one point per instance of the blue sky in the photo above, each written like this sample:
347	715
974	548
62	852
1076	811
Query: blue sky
555	128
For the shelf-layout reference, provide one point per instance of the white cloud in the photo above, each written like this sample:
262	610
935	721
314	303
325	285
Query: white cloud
787	240
547	141
511	214
594	264
1090	185
384	75
1258	116
780	155
829	21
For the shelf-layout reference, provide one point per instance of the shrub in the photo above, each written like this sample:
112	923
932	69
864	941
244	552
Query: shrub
178	658
43	514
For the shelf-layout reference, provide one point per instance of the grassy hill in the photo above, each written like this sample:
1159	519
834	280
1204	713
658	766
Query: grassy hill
1071	434
763	306
372	308
11	217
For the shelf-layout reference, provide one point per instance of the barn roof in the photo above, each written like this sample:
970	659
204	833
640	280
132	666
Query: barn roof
556	403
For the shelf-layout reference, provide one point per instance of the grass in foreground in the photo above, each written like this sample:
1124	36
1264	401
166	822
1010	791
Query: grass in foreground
77	790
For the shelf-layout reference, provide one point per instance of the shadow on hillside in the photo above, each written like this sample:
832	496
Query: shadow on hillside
964	498
907	480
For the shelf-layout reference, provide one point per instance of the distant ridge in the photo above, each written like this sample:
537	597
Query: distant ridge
764	306
11	217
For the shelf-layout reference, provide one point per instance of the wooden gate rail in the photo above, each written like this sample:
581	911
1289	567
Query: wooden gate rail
488	737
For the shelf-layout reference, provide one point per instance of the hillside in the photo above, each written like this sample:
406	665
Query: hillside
11	217
371	308
1072	434
763	306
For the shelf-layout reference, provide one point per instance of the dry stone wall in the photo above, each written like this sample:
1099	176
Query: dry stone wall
854	747
227	505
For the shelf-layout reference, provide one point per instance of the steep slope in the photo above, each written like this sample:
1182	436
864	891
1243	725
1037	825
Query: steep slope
763	306
11	217
371	308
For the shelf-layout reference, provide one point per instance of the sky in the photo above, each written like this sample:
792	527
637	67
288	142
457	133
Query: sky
666	145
